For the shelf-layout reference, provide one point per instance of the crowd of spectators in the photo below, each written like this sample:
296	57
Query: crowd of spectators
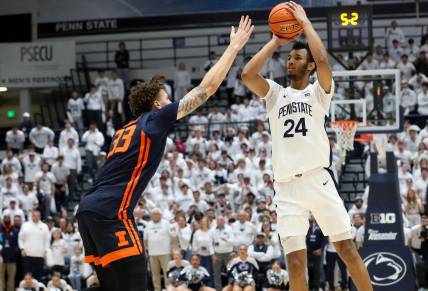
206	218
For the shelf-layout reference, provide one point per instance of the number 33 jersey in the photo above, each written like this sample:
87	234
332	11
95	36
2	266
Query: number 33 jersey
297	123
133	158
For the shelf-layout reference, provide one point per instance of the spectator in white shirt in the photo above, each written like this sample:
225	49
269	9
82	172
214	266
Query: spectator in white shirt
417	80
203	245
408	98
182	82
102	85
183	233
423	99
33	241
56	283
27	199
412	50
8	192
159	242
73	161
406	68
15	139
230	82
244	231
66	133
28	283
93	140
223	246
116	93
61	174
50	153
94	105
386	63
45	181
394	32
58	249
276	68
198	121
370	63
13	210
378	54
215	117
75	107
11	161
76	268
40	136
262	253
395	51
31	162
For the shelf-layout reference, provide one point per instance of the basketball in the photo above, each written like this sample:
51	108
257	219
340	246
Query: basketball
282	23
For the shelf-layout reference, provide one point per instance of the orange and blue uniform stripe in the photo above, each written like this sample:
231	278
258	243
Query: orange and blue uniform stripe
109	233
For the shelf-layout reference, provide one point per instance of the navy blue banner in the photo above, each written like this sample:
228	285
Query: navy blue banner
384	253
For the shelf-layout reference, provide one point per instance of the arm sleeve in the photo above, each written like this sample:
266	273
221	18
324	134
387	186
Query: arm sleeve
161	121
322	97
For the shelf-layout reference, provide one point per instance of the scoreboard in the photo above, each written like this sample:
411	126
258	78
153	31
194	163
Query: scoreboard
350	28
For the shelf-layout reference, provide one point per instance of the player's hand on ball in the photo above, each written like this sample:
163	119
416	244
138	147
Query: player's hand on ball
240	37
298	12
280	41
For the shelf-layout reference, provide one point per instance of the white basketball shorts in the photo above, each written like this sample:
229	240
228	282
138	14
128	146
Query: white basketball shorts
313	192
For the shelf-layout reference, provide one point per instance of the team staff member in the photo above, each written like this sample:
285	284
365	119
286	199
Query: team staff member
105	214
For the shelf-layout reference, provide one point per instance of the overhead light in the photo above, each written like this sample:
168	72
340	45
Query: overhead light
3	89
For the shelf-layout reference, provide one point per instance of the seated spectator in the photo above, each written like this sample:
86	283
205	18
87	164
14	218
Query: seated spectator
387	63
242	271
195	277
408	98
395	51
370	63
407	69
57	283
29	283
175	267
412	50
277	278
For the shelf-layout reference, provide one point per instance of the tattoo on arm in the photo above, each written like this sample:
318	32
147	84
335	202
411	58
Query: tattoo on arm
191	101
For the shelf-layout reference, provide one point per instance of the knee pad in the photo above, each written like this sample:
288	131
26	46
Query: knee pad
293	243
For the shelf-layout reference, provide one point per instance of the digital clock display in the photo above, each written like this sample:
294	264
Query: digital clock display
349	18
349	28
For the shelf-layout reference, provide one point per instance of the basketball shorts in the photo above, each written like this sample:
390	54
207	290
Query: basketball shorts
108	240
314	192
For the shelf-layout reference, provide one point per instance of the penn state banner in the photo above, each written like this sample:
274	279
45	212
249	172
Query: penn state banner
385	255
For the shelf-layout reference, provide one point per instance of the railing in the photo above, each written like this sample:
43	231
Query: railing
168	51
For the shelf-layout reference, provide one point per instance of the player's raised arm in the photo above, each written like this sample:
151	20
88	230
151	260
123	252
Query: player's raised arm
215	76
318	51
251	72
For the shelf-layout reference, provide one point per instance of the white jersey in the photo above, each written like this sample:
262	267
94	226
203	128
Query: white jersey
299	138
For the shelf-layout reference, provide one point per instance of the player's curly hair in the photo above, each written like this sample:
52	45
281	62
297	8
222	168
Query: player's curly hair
143	95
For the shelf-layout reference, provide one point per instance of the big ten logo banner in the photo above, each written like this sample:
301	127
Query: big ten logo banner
36	64
387	258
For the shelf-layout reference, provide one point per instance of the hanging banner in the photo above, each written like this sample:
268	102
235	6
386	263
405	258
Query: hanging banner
36	64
